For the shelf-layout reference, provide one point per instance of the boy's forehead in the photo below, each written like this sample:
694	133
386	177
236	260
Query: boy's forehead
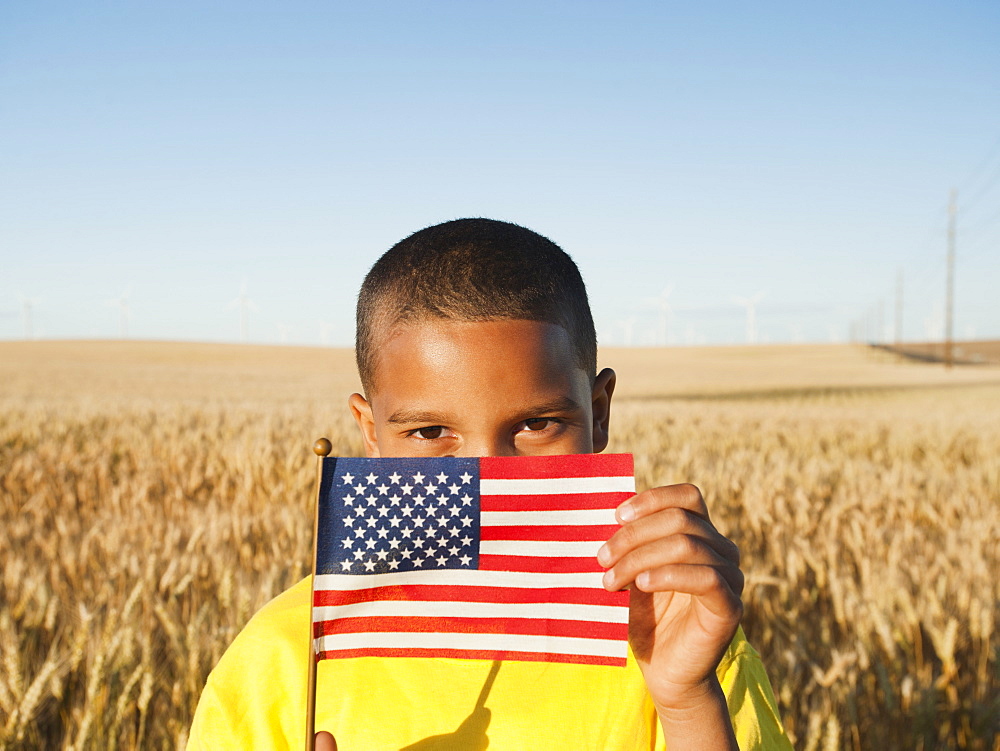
426	352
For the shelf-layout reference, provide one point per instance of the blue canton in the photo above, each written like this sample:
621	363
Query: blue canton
378	516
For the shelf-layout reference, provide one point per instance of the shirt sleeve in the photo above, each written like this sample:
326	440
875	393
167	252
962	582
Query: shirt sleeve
752	707
213	726
255	697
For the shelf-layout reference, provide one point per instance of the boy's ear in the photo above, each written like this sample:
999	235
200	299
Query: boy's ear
362	412
604	387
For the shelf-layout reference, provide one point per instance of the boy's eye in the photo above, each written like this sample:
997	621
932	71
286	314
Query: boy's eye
538	423
429	433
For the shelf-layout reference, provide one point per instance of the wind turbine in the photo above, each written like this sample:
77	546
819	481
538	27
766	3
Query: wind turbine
27	306
628	327
246	305
750	303
662	303
123	307
325	327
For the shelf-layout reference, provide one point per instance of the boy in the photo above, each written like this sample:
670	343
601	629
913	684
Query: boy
475	338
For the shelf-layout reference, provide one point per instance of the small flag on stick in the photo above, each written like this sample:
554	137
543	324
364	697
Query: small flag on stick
477	558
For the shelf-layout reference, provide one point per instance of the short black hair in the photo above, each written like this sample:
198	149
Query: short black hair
473	270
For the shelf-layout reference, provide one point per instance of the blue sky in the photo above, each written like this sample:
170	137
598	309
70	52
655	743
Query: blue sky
799	153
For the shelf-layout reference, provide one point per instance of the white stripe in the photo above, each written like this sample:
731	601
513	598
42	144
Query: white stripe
512	642
560	548
448	609
547	518
557	485
459	577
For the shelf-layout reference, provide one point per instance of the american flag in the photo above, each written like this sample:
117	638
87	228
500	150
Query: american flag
478	558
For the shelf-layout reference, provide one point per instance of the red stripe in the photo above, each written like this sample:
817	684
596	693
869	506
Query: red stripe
463	654
554	501
579	465
538	564
427	625
554	532
455	593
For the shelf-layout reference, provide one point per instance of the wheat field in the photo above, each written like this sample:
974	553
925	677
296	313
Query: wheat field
155	495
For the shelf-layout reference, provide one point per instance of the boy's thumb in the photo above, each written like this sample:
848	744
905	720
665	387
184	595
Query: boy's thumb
325	741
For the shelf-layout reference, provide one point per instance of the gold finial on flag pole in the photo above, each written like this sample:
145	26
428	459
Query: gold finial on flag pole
322	449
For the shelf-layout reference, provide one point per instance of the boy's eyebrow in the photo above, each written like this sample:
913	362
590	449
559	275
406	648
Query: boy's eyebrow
562	404
406	417
409	417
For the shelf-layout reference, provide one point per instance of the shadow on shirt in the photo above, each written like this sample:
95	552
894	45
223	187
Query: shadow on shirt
471	734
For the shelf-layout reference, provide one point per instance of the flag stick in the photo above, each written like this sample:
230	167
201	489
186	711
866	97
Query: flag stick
322	449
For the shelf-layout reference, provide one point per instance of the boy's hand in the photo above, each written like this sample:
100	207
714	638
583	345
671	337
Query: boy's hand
686	586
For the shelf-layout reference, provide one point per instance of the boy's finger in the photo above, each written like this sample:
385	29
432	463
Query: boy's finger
662	525
709	584
675	550
685	496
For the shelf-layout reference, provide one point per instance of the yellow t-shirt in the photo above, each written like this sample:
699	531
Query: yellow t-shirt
255	698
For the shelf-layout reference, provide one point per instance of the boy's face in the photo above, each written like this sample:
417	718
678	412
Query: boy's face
482	388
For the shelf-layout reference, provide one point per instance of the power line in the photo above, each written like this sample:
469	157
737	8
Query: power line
994	178
990	153
985	224
975	250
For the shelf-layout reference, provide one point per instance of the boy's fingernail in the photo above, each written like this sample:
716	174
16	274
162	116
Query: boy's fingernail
626	512
609	578
604	555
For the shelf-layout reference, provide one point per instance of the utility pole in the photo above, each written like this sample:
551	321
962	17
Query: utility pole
950	294
899	308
